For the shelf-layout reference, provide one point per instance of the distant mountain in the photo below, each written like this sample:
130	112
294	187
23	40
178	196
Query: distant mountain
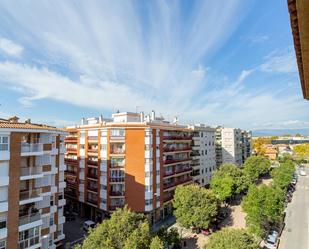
279	132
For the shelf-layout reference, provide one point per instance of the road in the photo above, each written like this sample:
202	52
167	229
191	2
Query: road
296	232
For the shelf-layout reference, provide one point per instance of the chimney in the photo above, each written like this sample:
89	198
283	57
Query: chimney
13	119
142	116
101	119
175	120
153	115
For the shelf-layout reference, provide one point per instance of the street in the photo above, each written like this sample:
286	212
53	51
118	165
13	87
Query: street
296	232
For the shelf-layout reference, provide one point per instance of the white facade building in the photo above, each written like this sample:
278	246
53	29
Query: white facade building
203	153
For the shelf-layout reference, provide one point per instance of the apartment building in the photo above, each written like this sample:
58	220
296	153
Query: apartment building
32	185
203	153
233	145
131	159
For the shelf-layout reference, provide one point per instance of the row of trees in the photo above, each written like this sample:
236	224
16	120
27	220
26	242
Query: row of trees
231	180
128	230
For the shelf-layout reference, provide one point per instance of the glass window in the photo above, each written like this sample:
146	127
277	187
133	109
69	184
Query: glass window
2	244
4	143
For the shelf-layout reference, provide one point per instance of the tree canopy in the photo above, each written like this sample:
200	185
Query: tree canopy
264	206
124	230
156	243
258	144
229	238
255	166
228	181
301	151
194	206
283	175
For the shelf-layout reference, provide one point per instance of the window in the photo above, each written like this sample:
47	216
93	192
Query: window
2	244
2	224
148	202
117	132
148	188
29	237
158	172
4	143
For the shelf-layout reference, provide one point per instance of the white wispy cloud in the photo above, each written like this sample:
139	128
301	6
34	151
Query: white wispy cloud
9	47
109	55
280	62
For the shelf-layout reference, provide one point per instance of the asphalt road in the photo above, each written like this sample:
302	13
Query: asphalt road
296	232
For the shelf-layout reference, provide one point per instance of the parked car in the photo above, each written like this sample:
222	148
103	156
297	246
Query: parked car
302	173
294	181
88	224
272	240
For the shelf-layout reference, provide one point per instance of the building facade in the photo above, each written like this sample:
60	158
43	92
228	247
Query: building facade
233	145
32	185
132	159
203	153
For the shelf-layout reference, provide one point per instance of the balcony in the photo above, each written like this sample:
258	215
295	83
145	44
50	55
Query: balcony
176	183
29	218
116	179
117	151
177	171
71	138
92	188
71	150
168	197
92	175
174	161
180	137
92	163
116	193
71	161
31	149
114	207
92	201
27	173
30	196
93	139
167	150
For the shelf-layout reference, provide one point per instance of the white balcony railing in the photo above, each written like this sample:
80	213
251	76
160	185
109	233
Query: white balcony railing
29	171
34	193
29	218
31	147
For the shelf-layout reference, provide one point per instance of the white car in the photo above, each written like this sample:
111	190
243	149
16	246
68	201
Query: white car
302	173
88	224
272	240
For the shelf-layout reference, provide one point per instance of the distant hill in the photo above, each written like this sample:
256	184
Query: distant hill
279	132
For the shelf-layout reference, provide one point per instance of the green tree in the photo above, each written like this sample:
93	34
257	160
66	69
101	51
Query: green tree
283	175
156	243
228	181
255	166
169	237
229	238
124	230
301	151
195	206
264	206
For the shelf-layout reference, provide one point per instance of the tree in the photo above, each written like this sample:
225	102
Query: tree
264	206
258	144
169	237
229	238
283	175
194	206
255	166
124	230
156	243
301	151
228	181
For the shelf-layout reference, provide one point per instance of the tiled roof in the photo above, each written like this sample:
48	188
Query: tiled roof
7	124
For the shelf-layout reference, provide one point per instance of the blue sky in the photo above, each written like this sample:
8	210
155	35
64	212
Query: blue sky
218	62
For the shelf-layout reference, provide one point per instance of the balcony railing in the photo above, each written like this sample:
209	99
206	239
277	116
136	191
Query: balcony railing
92	188
95	163
117	165
93	201
185	137
71	172
117	151
31	147
177	149
34	193
114	207
168	198
92	175
93	150
116	193
23	220
172	184
116	179
93	138
177	171
29	171
71	161
70	149
170	161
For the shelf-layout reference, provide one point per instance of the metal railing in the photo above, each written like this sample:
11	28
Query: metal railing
29	218
28	171
34	193
31	147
